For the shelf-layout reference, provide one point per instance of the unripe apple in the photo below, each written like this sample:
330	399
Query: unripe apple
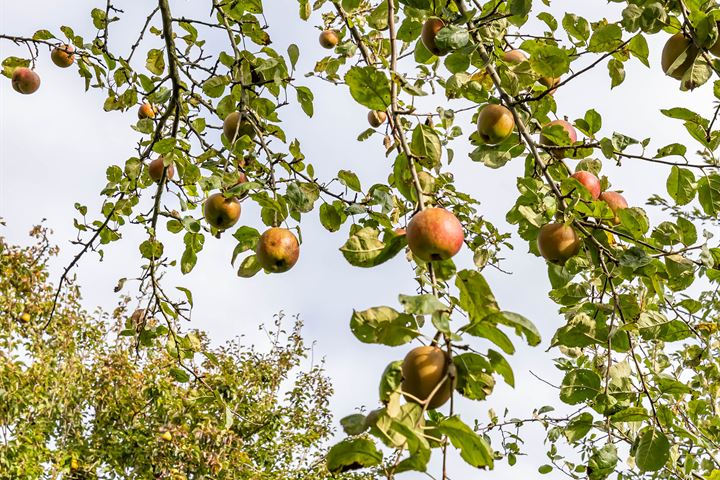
674	47
495	123
558	242
329	39
277	250
25	81
430	29
376	118
237	123
550	82
435	234
589	181
63	56
155	169
514	57
220	212
423	369
616	202
561	152
146	110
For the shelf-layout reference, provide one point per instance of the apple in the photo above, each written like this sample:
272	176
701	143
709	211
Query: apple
237	123
558	242
167	436
435	234
616	202
376	118
220	212
155	169
514	57
674	47
550	82
495	123
277	250
589	181
430	29
146	110
423	369
63	55
559	153
25	81
25	317
329	39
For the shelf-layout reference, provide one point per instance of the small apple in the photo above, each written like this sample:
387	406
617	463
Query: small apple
329	39
430	29
25	81
435	234
147	110
277	250
423	369
156	167
562	152
514	57
558	242
589	181
376	118
674	47
167	436
63	56
220	212
495	123
25	317
237	123
550	82
616	202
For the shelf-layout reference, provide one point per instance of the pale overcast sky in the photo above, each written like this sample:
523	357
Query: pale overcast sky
56	144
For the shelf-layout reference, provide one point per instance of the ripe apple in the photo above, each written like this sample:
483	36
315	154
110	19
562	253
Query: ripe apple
616	202
589	181
329	39
423	369
220	212
146	110
435	234
495	123
237	123
562	152
376	118
558	242
514	57
155	169
277	250
63	56
430	29
25	81
674	47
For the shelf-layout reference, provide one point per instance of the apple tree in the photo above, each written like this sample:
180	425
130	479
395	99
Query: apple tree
637	297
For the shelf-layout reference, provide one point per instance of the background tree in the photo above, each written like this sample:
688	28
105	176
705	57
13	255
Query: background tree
638	298
82	399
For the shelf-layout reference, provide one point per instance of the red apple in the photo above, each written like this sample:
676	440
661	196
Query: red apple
435	234
277	250
25	81
589	181
562	152
558	242
616	202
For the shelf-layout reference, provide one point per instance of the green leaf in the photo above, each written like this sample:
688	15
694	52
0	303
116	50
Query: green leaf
473	448
249	267
576	27
605	38
616	69
354	424
330	218
353	454
630	414
365	249
391	380
602	462
474	379
369	87
476	298
214	87
305	97
653	450
293	54
578	427
350	180
579	385
501	366
179	374
383	325
709	194
550	61
522	325
155	61
425	304
426	146
302	196
452	37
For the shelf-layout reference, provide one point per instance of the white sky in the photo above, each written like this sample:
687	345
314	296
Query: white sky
56	144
